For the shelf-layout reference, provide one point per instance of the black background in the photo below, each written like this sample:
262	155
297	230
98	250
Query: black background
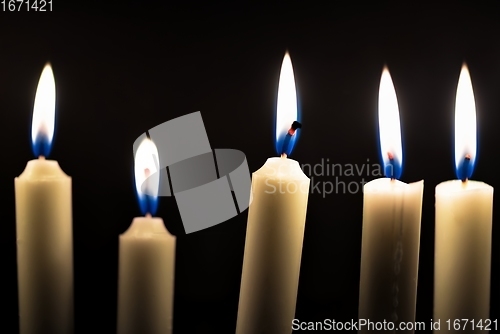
124	67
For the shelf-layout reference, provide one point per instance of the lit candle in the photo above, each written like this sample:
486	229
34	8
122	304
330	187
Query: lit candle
146	257
391	227
275	228
44	227
464	210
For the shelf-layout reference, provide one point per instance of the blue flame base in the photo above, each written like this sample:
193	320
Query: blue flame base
393	169
286	143
464	169
148	204
41	146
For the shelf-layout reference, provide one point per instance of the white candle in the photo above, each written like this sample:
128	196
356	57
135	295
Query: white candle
146	258
275	229
464	211
391	229
44	228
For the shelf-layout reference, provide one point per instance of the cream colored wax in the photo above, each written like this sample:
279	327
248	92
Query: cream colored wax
389	253
44	248
146	278
462	261
273	248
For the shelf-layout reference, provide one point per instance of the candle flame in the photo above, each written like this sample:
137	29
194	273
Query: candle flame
42	125
147	176
465	126
287	110
389	127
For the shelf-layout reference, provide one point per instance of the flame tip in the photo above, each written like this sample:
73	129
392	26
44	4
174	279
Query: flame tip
48	67
464	70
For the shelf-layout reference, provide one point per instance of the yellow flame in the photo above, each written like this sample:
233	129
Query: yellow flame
465	119
388	118
146	164
44	107
286	112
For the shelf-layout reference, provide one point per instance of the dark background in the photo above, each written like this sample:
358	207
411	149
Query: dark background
124	67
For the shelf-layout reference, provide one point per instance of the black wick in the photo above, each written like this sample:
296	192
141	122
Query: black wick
465	168
295	125
391	160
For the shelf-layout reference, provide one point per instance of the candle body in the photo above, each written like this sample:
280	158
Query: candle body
44	248
392	213
146	278
273	248
462	261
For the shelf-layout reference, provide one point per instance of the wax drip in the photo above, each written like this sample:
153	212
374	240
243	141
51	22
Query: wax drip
397	258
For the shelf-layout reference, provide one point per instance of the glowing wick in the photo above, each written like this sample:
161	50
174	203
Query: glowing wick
293	128
466	167
391	159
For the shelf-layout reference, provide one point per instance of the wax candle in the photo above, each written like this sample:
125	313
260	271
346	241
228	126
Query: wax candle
44	228
275	228
391	228
464	210
146	257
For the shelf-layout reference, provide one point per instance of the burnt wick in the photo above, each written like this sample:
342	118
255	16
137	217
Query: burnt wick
391	159
466	167
293	128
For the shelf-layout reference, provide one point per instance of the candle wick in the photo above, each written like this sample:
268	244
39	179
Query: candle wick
293	128
391	165
283	155
148	215
466	167
41	157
